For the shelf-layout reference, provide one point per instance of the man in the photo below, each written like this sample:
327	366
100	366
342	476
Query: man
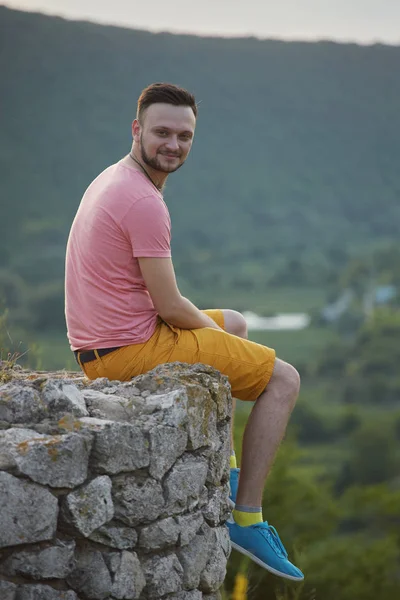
125	314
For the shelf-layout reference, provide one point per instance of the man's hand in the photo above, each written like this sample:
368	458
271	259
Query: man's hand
160	280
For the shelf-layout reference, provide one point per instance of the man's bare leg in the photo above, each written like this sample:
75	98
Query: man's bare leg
264	431
265	428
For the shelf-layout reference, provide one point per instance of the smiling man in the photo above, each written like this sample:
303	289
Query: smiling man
125	314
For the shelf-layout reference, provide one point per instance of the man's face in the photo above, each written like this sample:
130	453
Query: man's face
165	136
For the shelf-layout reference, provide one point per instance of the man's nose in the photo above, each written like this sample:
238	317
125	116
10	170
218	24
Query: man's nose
172	143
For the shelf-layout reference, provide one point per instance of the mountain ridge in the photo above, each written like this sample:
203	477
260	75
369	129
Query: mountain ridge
293	168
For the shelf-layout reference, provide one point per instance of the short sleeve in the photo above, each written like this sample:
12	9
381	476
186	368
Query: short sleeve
147	224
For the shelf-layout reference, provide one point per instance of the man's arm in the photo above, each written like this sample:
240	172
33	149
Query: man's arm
160	280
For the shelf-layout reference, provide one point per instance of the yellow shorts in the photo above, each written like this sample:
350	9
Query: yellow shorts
248	365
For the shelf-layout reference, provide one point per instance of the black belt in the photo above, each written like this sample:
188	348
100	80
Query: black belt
89	355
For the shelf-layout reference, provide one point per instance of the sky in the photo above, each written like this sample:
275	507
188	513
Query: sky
361	21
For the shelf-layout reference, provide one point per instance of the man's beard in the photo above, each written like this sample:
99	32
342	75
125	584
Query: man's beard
154	163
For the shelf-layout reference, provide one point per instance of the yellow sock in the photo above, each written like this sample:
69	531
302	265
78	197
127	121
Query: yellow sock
232	461
249	516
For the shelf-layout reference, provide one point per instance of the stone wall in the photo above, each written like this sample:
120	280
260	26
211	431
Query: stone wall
112	490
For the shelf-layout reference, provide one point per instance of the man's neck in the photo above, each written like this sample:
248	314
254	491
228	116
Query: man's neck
157	178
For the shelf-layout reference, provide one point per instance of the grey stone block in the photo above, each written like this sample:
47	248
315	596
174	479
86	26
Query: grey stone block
214	573
218	509
54	562
115	536
61	398
110	406
137	499
57	461
186	595
166	445
119	447
163	576
29	512
185	481
189	525
159	535
219	460
43	592
223	539
91	576
128	576
21	404
202	425
8	590
90	506
194	557
14	445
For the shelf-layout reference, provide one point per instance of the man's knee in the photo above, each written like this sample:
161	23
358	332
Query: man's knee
287	378
235	323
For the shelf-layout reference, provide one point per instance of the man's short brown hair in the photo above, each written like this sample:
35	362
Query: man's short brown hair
166	93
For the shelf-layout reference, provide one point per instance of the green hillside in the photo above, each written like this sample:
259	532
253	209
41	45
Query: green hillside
294	166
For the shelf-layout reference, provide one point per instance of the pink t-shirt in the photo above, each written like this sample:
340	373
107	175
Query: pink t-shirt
122	216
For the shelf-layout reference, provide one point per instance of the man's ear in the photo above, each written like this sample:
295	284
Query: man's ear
136	131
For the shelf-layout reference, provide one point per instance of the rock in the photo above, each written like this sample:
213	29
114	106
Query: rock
214	573
119	447
91	576
57	461
185	481
61	398
140	465
186	595
29	512
166	445
194	557
53	562
170	532
90	506
189	525
217	510
219	459
137	499
159	535
223	539
115	536
8	590
129	579
202	426
110	406
9	442
21	404
163	575
43	592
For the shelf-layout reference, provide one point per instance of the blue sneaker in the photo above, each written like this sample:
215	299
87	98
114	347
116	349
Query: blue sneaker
262	544
233	484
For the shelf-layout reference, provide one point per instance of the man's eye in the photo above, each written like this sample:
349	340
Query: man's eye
162	133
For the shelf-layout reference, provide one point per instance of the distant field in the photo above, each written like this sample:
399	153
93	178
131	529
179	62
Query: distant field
275	300
296	347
